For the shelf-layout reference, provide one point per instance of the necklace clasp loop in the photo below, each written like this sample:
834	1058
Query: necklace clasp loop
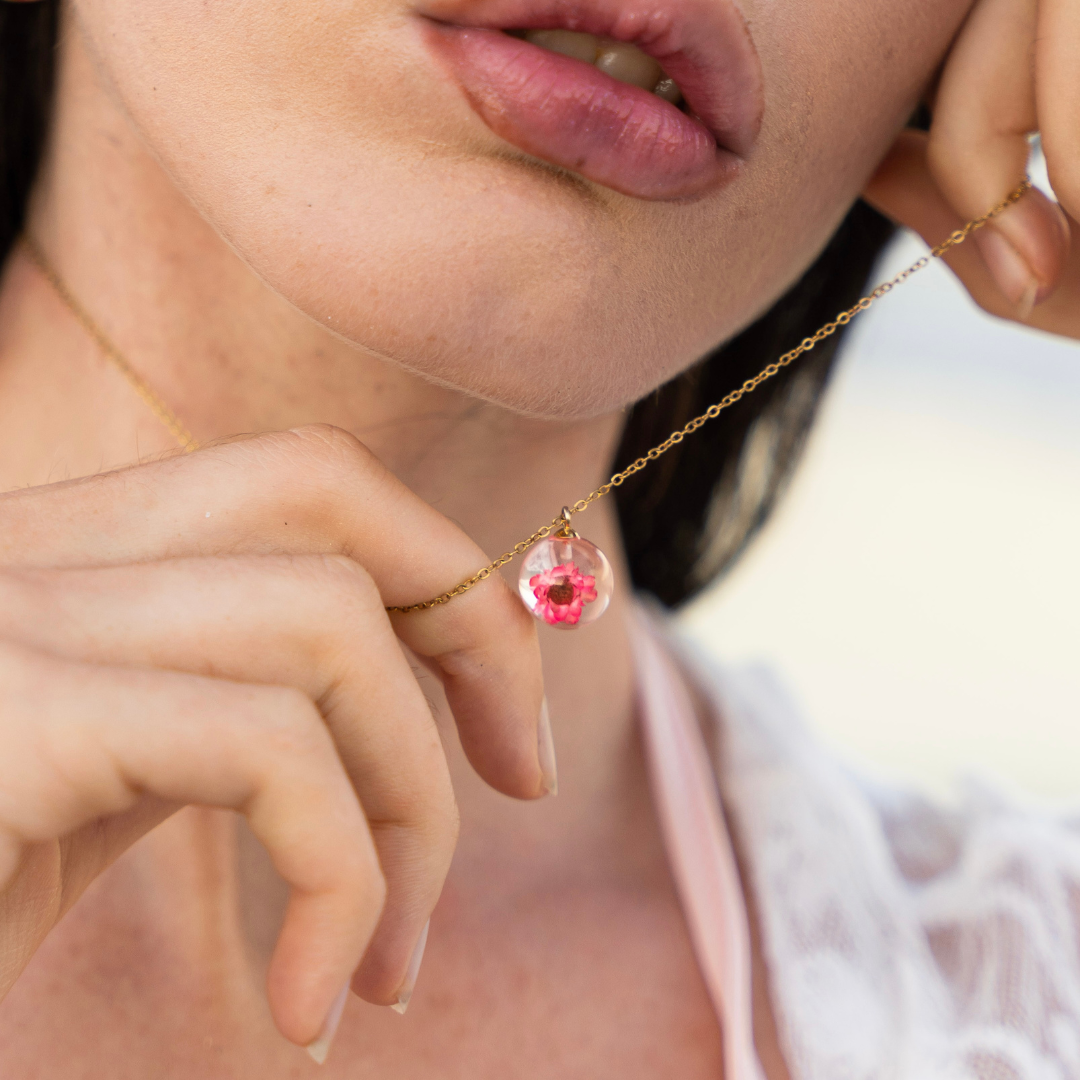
566	532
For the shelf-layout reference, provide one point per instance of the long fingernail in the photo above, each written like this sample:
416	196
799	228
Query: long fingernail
1009	270
409	985
545	745
1027	302
321	1046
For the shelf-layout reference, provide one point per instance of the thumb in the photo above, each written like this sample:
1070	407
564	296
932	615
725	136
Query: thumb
1027	272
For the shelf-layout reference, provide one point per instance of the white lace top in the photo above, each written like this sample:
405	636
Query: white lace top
904	940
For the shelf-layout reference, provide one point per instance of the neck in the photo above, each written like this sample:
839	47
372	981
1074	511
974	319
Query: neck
229	355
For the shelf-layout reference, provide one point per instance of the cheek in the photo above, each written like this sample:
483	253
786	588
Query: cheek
353	177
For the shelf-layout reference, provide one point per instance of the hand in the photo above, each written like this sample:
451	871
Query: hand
211	629
1014	69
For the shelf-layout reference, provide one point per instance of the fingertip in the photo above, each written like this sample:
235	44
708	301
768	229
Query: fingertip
320	945
408	984
1009	266
388	972
1011	272
319	1048
1037	230
497	728
487	651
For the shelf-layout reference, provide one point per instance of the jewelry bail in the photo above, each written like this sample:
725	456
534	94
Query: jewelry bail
566	532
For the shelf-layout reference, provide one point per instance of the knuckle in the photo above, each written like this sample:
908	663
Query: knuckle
355	869
51	759
468	665
345	582
333	599
322	472
325	449
432	818
291	727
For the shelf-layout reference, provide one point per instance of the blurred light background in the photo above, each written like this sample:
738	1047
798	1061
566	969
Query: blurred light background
918	591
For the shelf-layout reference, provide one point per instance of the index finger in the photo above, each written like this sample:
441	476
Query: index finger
984	112
1057	91
315	490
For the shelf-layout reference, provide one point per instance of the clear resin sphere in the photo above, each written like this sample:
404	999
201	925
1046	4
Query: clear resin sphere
566	582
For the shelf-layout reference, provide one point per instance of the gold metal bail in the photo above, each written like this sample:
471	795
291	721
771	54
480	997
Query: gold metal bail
566	532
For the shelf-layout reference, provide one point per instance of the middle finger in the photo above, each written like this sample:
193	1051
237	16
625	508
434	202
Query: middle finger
315	490
314	623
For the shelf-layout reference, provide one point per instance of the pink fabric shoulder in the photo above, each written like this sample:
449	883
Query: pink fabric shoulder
698	845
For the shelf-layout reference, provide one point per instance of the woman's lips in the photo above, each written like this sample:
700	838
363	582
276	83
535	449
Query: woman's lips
570	114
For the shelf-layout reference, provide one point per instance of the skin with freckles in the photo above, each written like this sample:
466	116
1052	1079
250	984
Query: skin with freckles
298	121
305	234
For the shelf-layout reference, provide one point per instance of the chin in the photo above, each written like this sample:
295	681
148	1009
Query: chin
520	302
553	381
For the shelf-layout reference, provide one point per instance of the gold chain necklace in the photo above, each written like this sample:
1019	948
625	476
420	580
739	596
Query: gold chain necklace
109	350
565	581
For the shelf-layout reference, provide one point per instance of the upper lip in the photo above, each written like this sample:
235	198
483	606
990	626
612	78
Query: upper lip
704	45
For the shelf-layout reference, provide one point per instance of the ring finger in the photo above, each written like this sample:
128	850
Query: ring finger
315	623
80	742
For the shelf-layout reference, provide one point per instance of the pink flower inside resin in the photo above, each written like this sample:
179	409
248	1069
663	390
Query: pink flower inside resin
561	594
565	581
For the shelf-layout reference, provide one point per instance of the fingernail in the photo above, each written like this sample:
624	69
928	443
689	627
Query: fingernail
545	746
1028	300
1009	270
409	985
321	1046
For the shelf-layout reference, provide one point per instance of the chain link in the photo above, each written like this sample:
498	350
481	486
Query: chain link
109	350
562	522
735	396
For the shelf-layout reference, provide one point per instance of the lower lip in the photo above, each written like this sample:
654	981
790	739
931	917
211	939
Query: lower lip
569	114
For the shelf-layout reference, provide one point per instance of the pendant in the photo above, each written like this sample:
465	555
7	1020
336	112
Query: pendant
566	581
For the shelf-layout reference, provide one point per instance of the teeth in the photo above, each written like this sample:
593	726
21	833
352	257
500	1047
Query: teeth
567	43
625	63
628	65
667	89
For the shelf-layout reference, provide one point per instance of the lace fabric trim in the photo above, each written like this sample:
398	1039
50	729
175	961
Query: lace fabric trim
905	940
